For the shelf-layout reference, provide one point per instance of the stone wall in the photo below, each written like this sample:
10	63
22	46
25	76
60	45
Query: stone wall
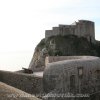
48	33
85	29
26	82
82	28
51	59
77	76
10	93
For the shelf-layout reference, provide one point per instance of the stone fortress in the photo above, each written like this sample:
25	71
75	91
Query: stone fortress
74	75
82	28
63	77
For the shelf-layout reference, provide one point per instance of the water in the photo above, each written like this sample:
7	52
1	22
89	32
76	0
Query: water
13	61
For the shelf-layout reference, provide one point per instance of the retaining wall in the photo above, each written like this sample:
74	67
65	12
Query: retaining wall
26	82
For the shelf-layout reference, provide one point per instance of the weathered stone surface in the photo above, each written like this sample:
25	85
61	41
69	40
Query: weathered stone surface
62	46
10	93
82	28
66	40
38	59
81	74
26	82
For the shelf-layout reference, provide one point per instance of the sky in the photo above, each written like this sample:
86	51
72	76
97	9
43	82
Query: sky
23	22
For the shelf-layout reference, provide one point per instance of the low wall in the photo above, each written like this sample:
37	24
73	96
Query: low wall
26	82
10	93
51	59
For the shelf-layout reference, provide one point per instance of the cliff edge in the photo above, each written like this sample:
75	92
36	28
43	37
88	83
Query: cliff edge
69	45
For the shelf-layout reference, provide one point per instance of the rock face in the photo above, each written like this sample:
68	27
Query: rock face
62	46
38	60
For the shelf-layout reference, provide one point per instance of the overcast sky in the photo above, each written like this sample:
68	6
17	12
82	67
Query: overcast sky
23	22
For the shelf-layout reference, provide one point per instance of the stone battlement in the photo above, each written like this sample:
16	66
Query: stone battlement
82	28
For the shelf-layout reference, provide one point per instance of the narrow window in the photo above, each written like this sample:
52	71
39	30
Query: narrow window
80	71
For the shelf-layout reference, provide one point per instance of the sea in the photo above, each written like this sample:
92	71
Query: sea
15	60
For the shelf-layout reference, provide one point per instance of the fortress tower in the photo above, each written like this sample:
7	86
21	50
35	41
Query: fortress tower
82	28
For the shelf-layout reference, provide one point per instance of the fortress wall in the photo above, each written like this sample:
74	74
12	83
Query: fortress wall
26	82
72	30
90	30
80	75
86	29
48	33
77	30
82	28
67	29
55	31
51	59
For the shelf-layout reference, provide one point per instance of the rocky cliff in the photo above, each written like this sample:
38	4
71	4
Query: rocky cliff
62	46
